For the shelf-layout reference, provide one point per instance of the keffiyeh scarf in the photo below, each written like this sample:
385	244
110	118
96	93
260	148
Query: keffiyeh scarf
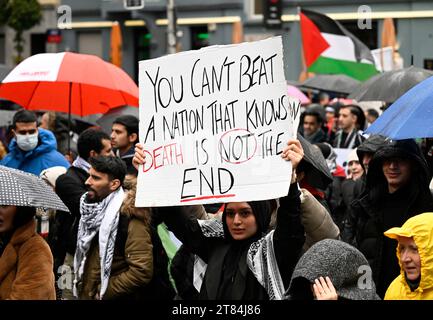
212	228
82	164
103	217
261	260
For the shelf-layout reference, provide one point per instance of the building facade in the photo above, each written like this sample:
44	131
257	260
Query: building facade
87	24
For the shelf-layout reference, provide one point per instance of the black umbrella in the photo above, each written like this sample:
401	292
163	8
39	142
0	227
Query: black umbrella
106	121
317	171
390	85
19	188
338	83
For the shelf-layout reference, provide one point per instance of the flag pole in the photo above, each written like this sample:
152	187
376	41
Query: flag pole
303	63
69	118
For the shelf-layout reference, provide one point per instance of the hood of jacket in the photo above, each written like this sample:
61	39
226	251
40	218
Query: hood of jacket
47	143
406	149
262	212
371	145
345	265
420	228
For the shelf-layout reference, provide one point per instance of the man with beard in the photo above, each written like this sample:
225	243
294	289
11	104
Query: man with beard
70	187
104	266
99	209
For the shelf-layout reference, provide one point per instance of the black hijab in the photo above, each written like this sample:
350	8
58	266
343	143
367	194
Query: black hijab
227	288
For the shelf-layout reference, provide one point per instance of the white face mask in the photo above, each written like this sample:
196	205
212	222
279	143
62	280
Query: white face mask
27	142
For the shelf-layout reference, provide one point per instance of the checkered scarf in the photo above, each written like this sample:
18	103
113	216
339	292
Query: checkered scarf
82	164
262	262
103	217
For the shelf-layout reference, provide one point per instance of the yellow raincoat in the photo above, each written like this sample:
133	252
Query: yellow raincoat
420	227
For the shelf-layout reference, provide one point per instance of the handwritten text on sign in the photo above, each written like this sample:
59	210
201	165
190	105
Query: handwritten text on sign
214	123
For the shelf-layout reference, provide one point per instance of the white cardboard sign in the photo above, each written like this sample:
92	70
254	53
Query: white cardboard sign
342	156
213	123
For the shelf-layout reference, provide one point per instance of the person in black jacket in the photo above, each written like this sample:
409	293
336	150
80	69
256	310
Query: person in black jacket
397	188
70	187
231	248
365	153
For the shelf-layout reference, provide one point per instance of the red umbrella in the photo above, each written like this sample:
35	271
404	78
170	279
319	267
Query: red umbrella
68	82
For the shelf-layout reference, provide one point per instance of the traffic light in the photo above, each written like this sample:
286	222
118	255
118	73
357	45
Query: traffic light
199	37
133	4
272	10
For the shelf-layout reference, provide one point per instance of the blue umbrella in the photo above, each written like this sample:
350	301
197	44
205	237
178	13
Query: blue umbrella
411	116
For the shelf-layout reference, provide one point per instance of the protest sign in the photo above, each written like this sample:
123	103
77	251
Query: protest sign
213	123
342	156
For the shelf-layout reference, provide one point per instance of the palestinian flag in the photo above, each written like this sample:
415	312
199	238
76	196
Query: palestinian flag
330	48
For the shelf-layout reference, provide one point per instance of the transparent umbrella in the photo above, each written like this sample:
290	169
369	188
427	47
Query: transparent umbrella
390	85
337	83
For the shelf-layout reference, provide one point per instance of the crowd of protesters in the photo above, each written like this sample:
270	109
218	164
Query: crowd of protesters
331	237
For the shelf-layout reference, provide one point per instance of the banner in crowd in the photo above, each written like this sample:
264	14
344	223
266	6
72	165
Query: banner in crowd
214	123
342	156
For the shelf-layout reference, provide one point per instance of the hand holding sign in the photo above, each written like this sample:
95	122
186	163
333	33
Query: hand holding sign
139	156
293	152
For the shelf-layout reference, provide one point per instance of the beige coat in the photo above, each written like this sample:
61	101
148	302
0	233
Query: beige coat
317	221
26	267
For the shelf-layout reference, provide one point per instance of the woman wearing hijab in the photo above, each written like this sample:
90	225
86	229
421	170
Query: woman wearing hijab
415	256
26	262
243	262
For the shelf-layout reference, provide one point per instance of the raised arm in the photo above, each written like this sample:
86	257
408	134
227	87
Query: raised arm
289	232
